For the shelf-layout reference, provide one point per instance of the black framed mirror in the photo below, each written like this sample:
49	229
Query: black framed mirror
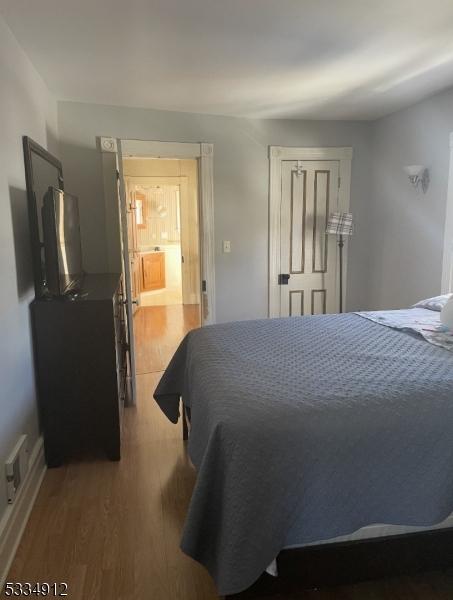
42	170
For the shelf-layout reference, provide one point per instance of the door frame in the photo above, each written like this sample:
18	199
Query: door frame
277	154
447	261
204	154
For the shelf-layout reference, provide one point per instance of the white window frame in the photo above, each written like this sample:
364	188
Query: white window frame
447	262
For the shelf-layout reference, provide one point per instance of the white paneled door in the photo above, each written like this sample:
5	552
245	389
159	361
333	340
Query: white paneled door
308	256
306	185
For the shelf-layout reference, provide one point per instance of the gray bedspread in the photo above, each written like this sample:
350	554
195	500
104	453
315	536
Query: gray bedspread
307	428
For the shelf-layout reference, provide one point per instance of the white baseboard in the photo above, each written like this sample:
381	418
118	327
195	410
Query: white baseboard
14	520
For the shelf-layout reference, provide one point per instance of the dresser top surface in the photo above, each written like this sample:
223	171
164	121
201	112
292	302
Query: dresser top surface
96	286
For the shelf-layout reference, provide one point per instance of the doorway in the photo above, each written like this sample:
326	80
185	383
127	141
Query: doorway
165	269
160	337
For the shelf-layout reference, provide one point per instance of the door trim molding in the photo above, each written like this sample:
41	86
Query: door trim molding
447	261
204	153
277	154
156	149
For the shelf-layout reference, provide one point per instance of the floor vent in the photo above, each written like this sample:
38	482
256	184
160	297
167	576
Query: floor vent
16	468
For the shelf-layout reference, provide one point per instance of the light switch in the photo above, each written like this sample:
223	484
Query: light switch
226	246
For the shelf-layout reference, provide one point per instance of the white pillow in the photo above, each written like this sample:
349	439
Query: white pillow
446	314
435	303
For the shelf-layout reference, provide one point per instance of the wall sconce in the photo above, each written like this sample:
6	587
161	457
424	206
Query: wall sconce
418	176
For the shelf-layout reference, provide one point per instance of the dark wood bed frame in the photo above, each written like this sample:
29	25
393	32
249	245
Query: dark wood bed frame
350	562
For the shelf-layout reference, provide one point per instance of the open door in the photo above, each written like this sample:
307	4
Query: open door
128	299
135	212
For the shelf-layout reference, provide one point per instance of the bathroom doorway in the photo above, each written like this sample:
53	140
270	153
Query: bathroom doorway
163	223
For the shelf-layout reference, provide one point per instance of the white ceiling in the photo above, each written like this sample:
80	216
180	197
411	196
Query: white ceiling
340	59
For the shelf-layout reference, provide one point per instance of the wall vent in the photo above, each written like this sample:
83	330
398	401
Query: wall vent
16	468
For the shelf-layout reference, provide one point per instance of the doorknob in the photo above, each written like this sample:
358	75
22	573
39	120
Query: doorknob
283	278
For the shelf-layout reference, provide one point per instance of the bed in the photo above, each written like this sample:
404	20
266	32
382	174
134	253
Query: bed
305	429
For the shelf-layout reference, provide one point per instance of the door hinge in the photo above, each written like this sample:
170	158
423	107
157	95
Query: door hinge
117	174
203	285
339	182
299	170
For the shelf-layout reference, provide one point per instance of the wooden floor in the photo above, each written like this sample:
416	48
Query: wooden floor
112	530
158	332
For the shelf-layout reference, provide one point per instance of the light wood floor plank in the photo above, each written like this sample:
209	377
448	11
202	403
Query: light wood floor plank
165	326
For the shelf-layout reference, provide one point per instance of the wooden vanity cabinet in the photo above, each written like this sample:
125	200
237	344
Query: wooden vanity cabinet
153	271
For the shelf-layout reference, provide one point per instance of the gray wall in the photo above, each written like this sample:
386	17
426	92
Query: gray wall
406	237
241	174
25	108
395	255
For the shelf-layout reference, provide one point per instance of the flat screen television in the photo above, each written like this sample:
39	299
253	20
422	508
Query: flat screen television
62	245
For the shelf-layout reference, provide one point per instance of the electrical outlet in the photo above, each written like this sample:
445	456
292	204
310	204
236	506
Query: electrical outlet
16	467
226	246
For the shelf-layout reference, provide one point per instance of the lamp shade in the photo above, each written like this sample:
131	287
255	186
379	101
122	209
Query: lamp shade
340	223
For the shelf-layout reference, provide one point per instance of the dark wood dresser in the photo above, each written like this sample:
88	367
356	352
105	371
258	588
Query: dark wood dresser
82	369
